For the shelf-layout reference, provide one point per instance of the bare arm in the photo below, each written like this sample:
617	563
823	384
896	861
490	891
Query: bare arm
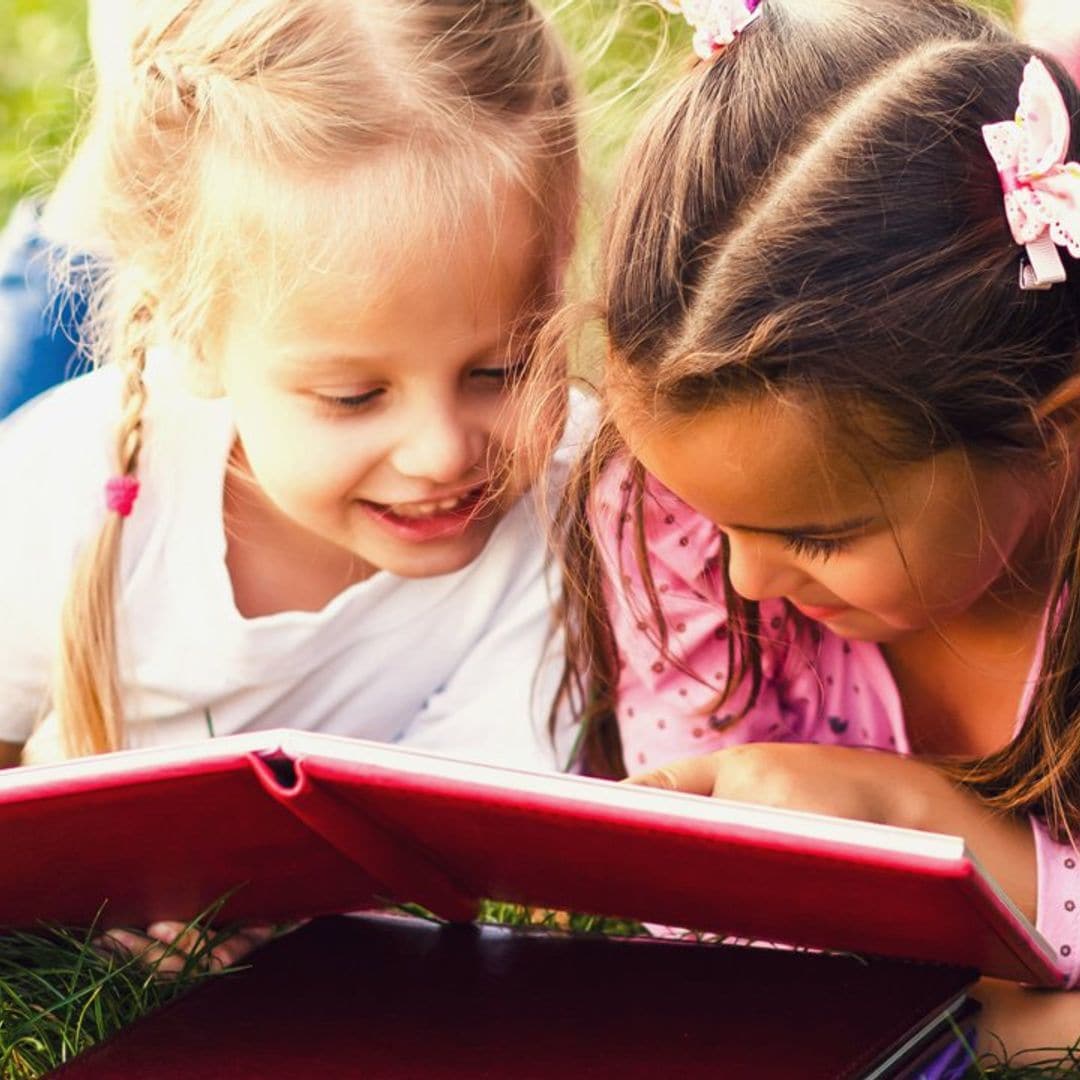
1016	1017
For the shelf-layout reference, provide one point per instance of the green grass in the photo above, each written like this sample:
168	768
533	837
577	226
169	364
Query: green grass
60	995
43	57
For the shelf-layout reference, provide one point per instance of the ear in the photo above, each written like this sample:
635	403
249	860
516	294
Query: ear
201	375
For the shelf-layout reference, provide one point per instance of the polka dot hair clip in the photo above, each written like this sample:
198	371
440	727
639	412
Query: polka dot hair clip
716	23
1041	188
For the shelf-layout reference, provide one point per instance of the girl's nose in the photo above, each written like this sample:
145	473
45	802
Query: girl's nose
439	445
758	573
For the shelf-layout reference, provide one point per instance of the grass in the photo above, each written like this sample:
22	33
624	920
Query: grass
59	994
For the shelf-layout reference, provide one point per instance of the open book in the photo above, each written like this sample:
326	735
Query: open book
302	824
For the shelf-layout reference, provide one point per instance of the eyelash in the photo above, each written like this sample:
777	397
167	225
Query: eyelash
817	548
350	403
507	375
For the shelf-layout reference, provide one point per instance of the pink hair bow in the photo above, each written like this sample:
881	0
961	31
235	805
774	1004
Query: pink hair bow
716	23
1042	189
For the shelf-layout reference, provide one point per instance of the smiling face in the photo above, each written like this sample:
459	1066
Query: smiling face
378	418
873	559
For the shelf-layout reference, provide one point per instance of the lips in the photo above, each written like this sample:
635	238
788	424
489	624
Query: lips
820	612
433	519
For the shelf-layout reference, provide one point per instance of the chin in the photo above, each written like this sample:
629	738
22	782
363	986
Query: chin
431	563
860	626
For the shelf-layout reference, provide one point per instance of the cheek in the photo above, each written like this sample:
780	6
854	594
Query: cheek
301	460
871	577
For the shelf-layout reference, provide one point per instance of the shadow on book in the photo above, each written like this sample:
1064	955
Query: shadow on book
381	997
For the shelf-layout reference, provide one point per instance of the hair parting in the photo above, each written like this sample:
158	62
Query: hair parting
818	195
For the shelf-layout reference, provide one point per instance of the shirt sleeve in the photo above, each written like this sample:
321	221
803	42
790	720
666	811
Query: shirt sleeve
1058	914
671	689
53	461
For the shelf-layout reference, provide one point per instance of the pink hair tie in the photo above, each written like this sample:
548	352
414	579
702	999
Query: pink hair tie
716	23
1041	188
120	494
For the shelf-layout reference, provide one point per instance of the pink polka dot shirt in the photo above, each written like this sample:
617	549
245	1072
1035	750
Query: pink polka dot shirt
816	686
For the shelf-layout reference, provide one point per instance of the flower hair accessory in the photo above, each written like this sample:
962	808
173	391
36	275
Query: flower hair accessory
1042	189
120	494
716	23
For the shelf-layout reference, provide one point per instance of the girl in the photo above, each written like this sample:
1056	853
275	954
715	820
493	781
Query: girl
294	498
836	504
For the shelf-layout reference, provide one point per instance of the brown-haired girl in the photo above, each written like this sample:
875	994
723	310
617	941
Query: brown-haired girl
836	504
293	495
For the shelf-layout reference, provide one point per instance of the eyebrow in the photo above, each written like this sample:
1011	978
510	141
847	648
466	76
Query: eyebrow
331	361
813	528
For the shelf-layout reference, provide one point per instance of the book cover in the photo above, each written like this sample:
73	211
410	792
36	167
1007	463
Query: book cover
302	825
392	998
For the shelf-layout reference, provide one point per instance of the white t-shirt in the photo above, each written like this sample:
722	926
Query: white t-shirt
449	663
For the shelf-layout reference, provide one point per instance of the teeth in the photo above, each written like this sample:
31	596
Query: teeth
426	509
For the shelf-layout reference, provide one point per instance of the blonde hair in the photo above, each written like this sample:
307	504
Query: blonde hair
395	113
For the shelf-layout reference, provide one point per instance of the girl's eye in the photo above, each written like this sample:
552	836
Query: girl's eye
506	375
817	547
347	402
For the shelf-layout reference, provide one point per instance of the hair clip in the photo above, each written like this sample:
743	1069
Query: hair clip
120	494
1041	188
716	23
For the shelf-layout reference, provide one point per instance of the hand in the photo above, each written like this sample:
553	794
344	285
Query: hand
169	948
867	785
837	780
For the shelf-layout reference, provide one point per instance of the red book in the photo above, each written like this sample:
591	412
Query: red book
302	825
397	999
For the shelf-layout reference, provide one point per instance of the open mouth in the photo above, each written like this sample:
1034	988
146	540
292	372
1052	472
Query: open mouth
431	519
418	510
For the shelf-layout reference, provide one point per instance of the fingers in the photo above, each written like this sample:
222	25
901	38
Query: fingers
696	776
169	948
230	950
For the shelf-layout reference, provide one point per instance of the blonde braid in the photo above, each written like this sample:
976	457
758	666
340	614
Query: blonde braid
87	694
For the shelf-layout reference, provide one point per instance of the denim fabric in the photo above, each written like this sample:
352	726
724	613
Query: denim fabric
39	324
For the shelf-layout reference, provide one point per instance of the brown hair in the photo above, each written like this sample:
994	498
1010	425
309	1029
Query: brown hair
815	212
305	108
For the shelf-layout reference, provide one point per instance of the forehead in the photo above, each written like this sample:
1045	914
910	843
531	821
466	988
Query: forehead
476	273
324	254
764	462
772	463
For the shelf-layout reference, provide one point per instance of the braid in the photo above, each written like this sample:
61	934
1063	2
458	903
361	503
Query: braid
87	694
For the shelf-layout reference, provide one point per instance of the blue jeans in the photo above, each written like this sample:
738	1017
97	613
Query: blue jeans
39	324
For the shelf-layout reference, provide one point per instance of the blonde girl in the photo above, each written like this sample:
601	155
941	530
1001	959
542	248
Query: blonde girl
835	508
293	495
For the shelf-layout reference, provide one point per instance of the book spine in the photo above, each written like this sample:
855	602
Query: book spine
408	874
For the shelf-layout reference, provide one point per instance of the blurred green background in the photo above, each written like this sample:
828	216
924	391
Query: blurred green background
43	57
44	81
